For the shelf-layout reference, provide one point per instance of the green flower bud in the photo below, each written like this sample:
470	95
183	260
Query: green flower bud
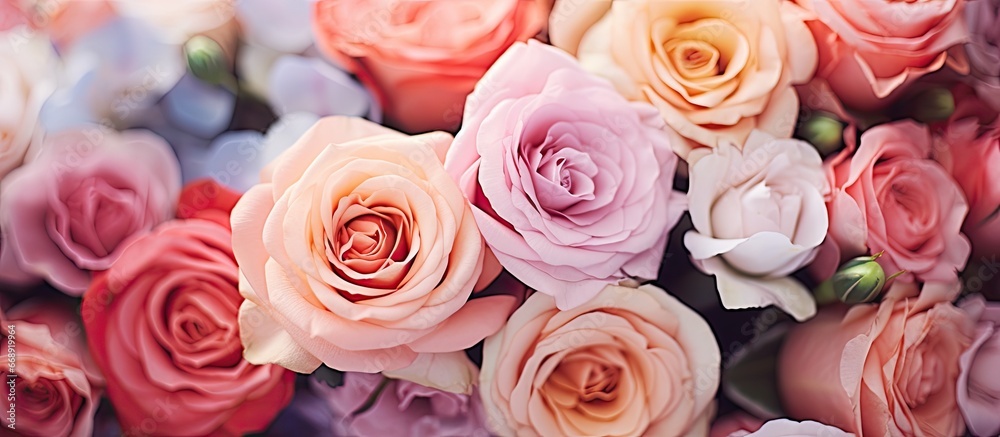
859	280
206	60
934	104
824	131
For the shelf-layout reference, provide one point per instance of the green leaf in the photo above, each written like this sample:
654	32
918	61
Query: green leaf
751	379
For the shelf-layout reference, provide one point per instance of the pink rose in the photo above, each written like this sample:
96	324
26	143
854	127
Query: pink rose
716	70
162	324
789	428
360	252
758	216
423	57
970	151
629	362
399	408
733	423
978	386
890	196
572	184
58	387
870	51
72	210
878	369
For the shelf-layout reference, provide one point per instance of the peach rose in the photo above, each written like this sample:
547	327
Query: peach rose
870	51
423	57
360	252
758	216
715	70
891	196
628	362
878	369
58	387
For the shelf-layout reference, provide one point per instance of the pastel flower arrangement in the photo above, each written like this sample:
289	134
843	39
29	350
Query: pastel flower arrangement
717	218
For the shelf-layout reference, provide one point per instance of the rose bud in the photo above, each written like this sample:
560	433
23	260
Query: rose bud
824	131
935	104
206	59
859	280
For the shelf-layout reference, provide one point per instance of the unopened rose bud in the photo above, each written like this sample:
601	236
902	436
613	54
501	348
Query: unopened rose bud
934	104
206	60
824	131
859	280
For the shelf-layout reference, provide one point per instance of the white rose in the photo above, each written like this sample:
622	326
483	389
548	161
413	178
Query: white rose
759	215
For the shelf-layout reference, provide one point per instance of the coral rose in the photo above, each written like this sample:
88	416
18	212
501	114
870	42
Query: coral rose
162	324
629	362
715	70
423	57
360	252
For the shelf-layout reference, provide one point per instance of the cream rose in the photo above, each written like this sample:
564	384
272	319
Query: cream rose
759	215
715	70
360	252
628	362
26	80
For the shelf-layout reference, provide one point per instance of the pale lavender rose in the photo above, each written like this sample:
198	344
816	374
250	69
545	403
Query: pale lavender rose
281	26
978	385
73	208
110	74
791	428
758	215
372	405
983	18
572	185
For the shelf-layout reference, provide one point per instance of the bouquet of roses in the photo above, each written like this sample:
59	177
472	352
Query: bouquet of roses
500	217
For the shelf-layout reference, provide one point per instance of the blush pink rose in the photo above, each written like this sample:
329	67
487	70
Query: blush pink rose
399	408
889	195
970	151
715	70
759	215
73	209
360	252
423	57
162	325
629	362
978	385
878	369
572	184
790	428
58	386
870	51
